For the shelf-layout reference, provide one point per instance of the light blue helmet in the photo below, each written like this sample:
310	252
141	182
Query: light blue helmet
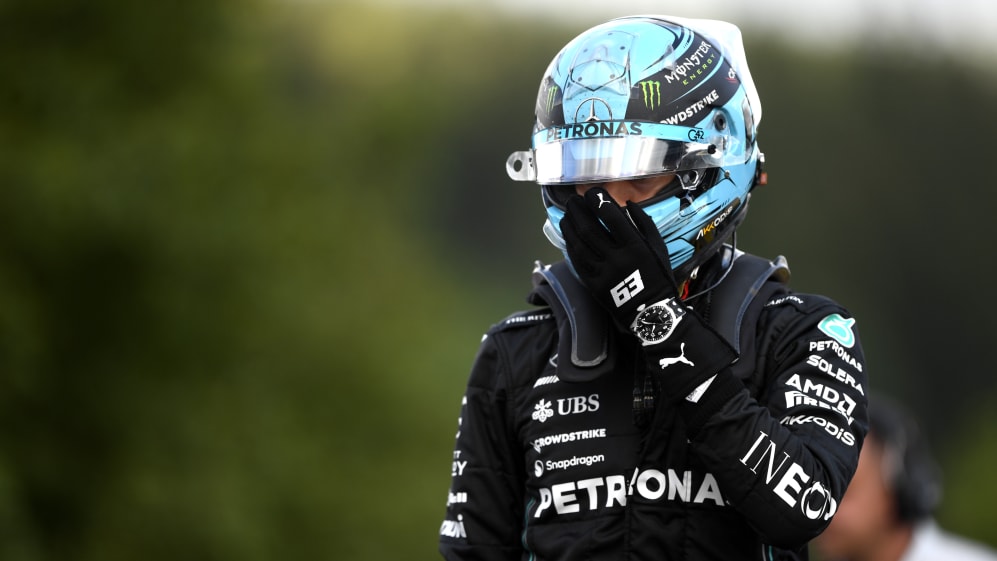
647	95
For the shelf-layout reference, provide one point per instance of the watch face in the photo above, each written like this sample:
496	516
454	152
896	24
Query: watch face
655	323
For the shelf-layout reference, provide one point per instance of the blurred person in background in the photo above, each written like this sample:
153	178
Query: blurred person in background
671	398
887	512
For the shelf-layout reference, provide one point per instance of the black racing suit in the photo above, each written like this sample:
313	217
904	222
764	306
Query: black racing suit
544	469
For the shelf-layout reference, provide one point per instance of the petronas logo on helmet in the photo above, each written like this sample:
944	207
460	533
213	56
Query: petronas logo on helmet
652	93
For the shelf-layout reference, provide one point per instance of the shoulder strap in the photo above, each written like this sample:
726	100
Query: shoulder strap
731	299
584	341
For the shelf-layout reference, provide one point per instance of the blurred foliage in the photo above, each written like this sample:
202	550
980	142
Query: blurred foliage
969	481
247	251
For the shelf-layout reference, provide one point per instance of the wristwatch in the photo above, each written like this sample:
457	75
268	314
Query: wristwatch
656	322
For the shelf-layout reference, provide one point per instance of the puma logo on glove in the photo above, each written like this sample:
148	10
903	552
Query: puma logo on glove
666	362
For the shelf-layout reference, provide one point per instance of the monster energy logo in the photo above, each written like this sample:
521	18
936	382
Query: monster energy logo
652	93
551	98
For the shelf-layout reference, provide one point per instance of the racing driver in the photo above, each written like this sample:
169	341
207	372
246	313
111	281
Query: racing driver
669	397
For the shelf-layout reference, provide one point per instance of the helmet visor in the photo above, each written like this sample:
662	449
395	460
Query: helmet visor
668	149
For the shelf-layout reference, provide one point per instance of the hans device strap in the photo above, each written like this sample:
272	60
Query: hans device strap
731	299
586	332
583	326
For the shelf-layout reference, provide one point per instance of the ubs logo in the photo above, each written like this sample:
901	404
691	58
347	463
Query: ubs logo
544	409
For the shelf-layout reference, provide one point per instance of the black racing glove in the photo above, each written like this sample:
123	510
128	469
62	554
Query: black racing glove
622	259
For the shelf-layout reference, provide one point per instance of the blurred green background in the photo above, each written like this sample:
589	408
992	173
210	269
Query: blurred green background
247	251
